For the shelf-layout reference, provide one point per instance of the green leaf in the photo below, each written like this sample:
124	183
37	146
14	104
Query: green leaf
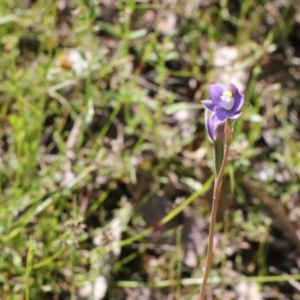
112	29
173	108
138	33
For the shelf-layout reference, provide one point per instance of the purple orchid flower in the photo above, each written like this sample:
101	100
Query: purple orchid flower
224	104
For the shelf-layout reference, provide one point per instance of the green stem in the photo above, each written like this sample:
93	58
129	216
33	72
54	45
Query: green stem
218	155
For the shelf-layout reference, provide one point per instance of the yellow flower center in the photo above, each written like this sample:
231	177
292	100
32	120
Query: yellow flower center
227	100
227	94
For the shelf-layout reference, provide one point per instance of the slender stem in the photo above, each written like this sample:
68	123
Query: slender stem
216	196
218	155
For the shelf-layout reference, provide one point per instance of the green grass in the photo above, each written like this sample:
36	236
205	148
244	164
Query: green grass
115	117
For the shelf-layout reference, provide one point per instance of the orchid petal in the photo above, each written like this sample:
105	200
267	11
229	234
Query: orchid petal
209	124
215	92
238	101
221	115
232	88
235	115
208	104
218	127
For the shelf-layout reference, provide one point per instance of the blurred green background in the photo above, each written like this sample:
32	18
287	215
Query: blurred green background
106	169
